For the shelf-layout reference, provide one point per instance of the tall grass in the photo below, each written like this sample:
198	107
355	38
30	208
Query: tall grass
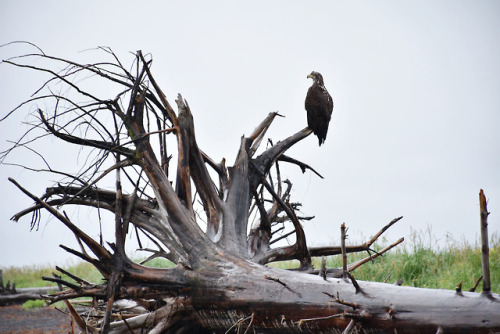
422	263
418	262
31	276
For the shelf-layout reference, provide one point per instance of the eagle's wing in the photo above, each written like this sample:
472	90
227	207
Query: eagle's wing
319	107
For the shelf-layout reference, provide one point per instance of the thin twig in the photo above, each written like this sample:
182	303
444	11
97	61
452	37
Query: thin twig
349	327
337	315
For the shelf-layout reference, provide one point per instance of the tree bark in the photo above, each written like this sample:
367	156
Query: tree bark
286	301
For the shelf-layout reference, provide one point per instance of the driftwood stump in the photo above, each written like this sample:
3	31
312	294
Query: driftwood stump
197	212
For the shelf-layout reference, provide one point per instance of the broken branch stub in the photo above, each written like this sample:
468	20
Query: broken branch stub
485	249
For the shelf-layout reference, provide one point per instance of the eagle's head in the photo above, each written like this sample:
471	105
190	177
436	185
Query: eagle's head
317	78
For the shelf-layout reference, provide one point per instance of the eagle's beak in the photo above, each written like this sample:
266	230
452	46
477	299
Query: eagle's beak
309	76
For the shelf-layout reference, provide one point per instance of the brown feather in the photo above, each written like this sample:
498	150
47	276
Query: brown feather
319	107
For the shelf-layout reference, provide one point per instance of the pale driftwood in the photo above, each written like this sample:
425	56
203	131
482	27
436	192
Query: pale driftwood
219	283
485	249
24	294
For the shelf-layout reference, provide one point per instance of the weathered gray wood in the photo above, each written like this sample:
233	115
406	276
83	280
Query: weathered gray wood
286	301
485	249
214	286
24	294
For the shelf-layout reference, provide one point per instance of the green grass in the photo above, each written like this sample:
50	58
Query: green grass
33	304
31	276
418	262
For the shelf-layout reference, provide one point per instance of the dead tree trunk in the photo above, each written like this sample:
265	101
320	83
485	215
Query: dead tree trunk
219	283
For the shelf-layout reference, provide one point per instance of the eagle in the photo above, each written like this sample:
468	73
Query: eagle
319	106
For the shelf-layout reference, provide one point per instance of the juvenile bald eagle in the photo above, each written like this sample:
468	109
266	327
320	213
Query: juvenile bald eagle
319	106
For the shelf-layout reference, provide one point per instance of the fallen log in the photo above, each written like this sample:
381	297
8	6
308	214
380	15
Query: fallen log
24	294
282	301
197	213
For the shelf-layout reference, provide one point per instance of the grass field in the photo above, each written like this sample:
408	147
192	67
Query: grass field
418	262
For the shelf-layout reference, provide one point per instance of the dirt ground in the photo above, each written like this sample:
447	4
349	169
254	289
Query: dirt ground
15	319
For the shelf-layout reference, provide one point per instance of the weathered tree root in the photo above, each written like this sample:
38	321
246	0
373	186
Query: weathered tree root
197	213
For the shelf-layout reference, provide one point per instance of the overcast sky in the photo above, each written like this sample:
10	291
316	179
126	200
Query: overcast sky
416	86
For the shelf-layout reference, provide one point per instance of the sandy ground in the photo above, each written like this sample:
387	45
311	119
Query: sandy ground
14	319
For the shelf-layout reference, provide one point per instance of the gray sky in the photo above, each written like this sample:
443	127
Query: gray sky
415	129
